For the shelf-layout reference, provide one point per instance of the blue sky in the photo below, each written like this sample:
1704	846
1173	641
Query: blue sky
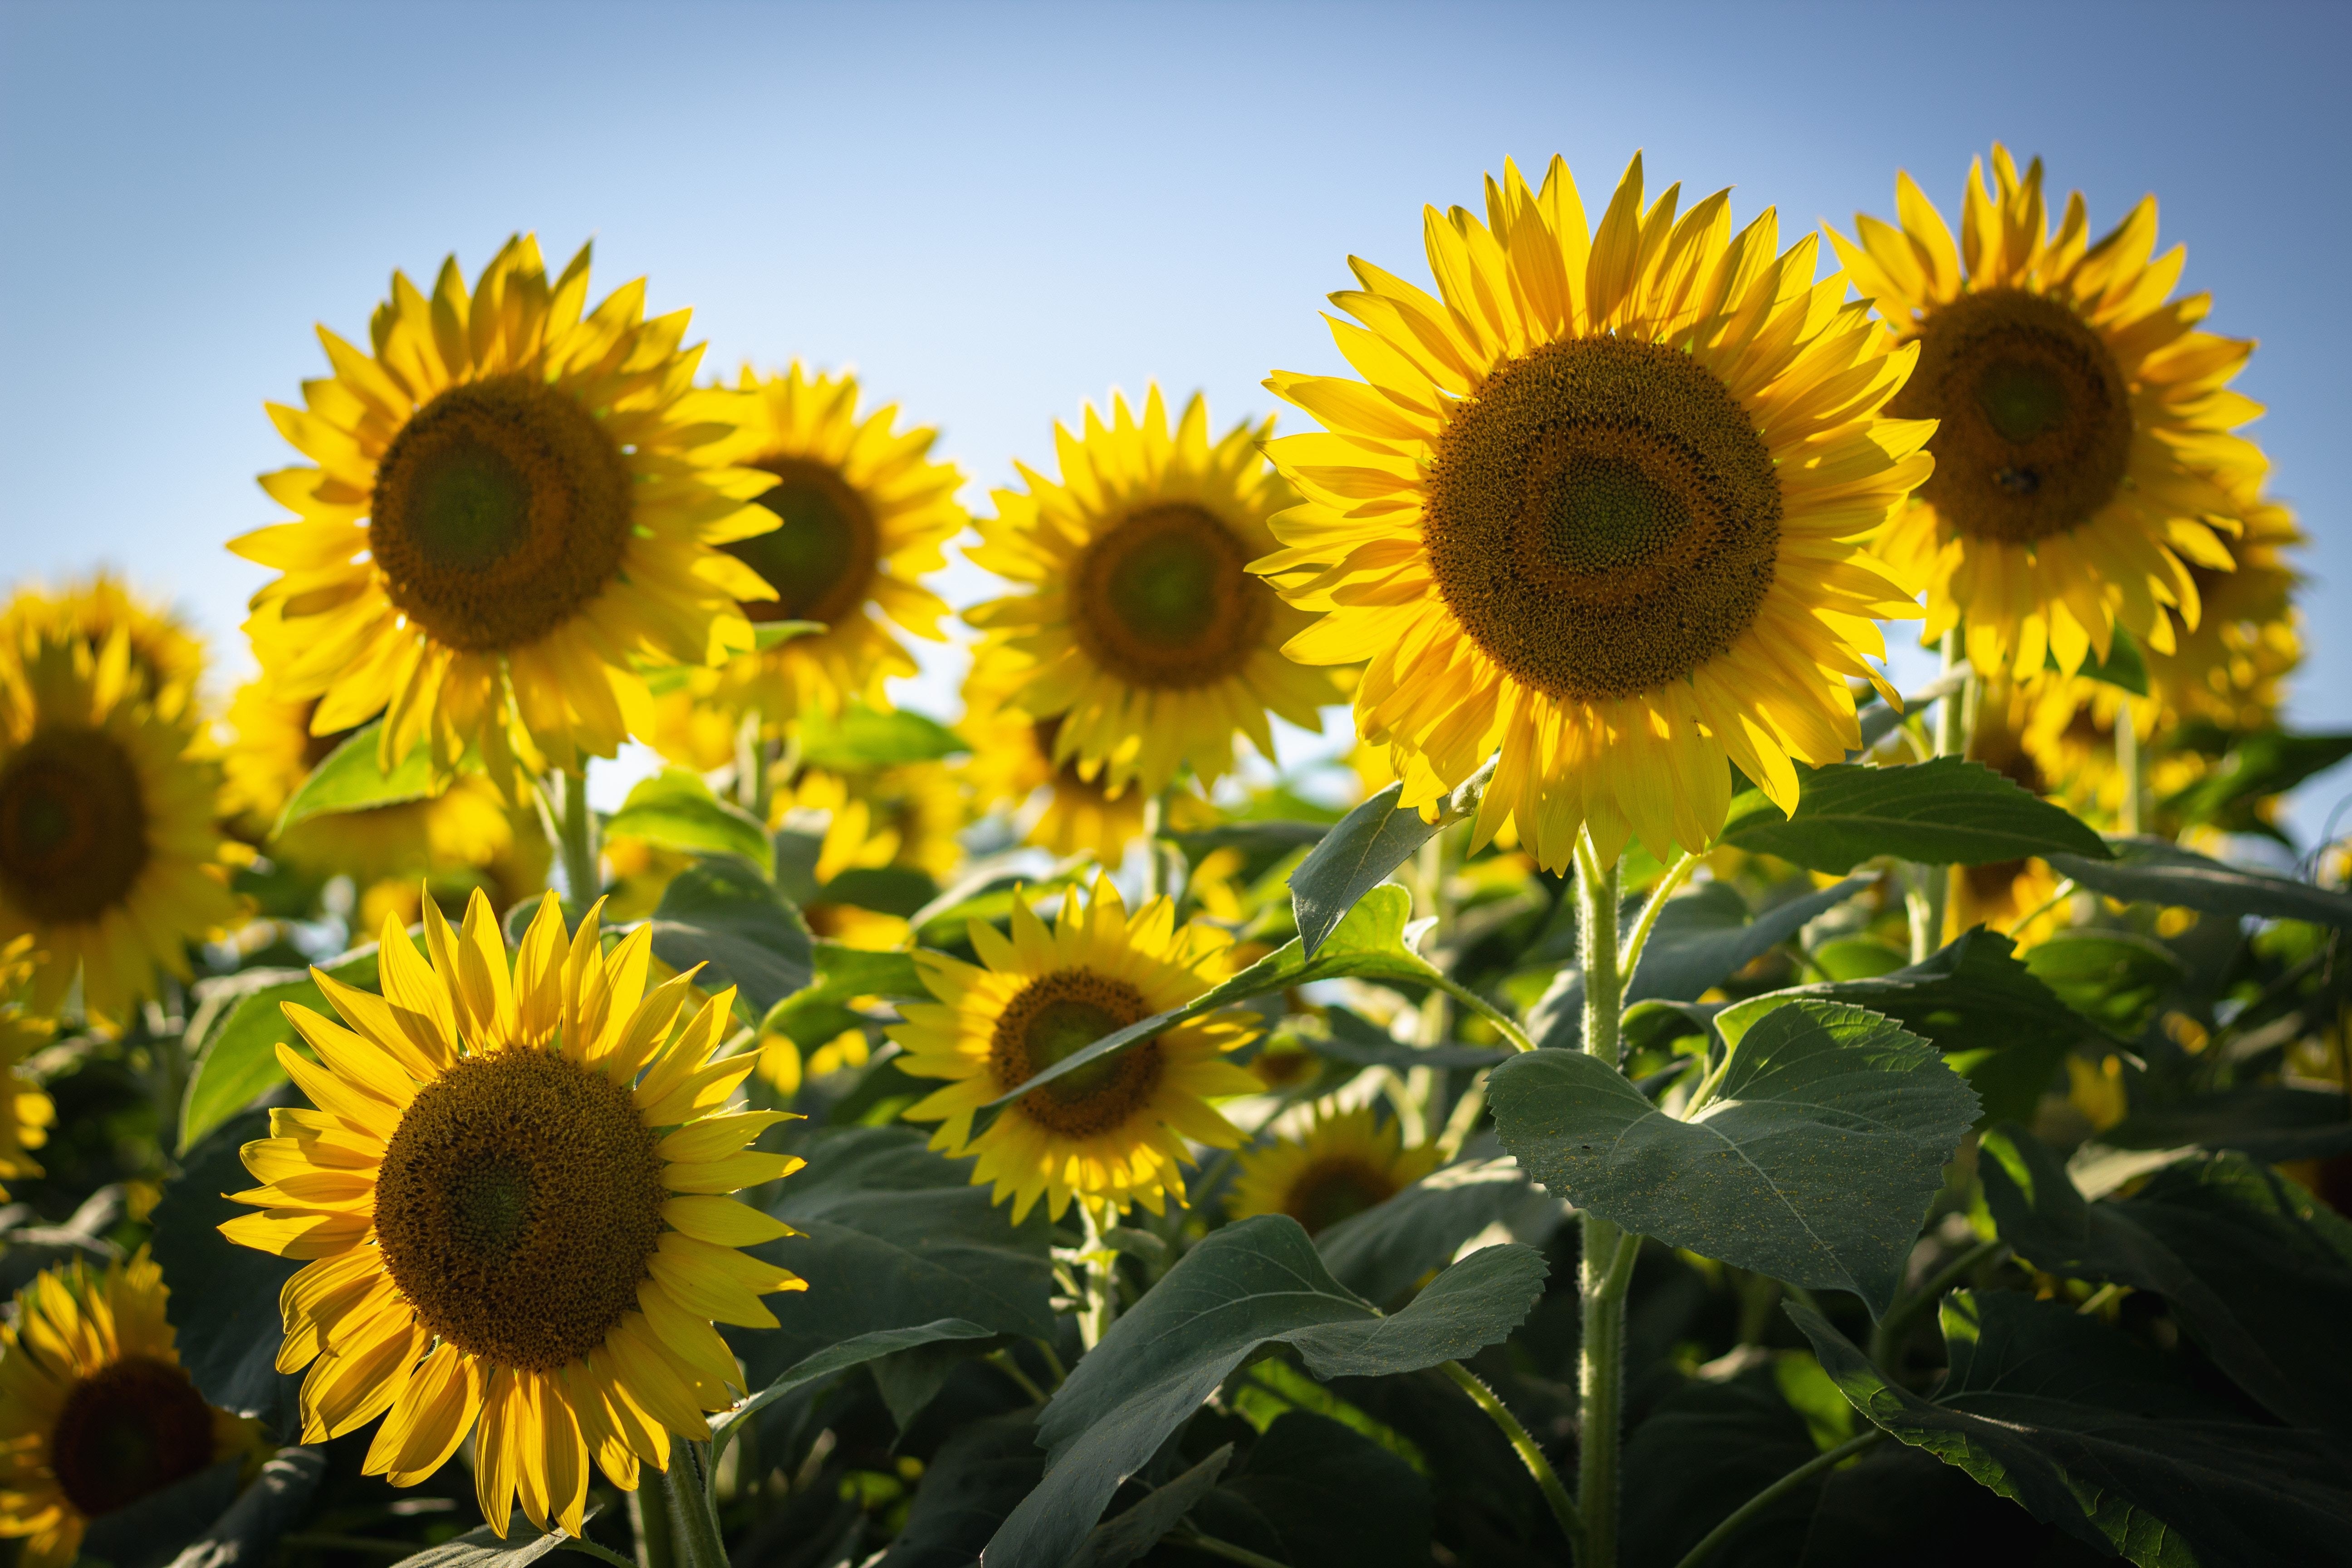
998	212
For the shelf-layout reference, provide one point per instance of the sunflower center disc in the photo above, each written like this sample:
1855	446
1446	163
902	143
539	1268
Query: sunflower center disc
1602	518
500	509
1054	1017
1162	600
73	825
520	1198
132	1427
2036	425
821	556
1331	1190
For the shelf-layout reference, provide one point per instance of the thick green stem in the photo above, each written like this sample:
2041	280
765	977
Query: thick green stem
685	1486
1886	1340
576	838
1596	941
649	1517
1530	1452
1607	1270
1777	1491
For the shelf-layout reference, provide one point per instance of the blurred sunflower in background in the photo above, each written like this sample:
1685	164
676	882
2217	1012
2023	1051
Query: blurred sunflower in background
2085	459
509	1200
1110	1134
516	501
95	1410
1143	633
1339	1164
110	857
2227	669
27	1112
167	657
1602	506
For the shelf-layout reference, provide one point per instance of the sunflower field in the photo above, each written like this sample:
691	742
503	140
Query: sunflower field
1665	1097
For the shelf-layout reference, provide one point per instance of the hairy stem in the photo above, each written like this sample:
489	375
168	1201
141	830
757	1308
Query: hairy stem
1607	1269
1679	873
1530	1452
649	1518
685	1486
1778	1489
576	839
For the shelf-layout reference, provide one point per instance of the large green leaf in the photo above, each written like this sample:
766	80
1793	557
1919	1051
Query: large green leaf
1368	943
861	739
817	1013
1945	812
676	810
2069	1420
856	1351
1387	1250
2264	1121
2257	767
1313	1494
723	912
350	780
150	1533
2256	1272
239	1027
1813	1160
1705	1448
1252	1284
1120	1540
2115	978
978	1477
2154	871
1351	859
224	1298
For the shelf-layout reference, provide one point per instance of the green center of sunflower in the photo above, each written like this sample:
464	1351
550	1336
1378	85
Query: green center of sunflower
1333	1188
1602	518
1053	1018
518	1201
73	825
821	556
1160	599
500	509
132	1427
2035	425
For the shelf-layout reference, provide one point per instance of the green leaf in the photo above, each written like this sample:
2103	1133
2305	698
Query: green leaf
1813	1160
2153	871
766	635
978	1477
2257	767
1946	812
278	1496
150	1531
1385	1251
722	912
1368	943
349	780
901	890
1267	839
1704	1449
1120	1540
860	739
237	1031
2267	1123
480	1547
2115	978
856	1351
2053	1411
224	1302
2122	668
2254	1270
676	810
1250	1284
1351	859
1363	1044
815	1014
1313	1494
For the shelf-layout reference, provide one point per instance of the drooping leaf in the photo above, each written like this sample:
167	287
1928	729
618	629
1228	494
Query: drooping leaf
1313	1494
1121	1539
676	810
1250	1284
1387	1250
2264	1121
1813	1160
223	1306
2057	1413
1349	860
2154	871
2256	767
2251	1267
1944	812
2115	978
861	739
350	780
724	913
237	1028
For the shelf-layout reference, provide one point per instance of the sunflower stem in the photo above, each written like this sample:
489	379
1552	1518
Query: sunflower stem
1530	1452
1629	959
1606	1271
694	1538
1155	813
1097	1281
576	839
649	1518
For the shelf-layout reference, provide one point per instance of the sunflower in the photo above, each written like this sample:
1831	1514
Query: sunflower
2083	456
95	1411
167	657
26	1113
108	858
512	502
1110	1135
1341	1163
1150	642
510	1197
2227	669
1602	506
1012	766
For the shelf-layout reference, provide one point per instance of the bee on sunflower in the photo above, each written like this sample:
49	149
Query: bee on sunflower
1109	1135
511	1203
1339	1164
96	1411
512	501
2085	458
1601	508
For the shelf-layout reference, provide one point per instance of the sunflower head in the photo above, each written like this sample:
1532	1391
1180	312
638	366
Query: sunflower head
95	1411
513	499
167	657
1146	635
2085	459
511	1197
2229	667
1013	767
1339	1164
1111	1134
26	1113
108	858
1600	505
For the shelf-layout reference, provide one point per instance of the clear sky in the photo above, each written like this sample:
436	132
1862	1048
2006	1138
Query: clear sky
995	213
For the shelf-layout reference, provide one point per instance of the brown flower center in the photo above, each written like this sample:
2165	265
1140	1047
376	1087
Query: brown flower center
501	509
2036	425
1602	518
1162	600
73	824
821	558
1334	1187
520	1198
1054	1017
132	1427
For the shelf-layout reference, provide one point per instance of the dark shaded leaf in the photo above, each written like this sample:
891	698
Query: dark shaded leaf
262	1513
900	890
237	1031
1121	1539
2154	871
1706	1448
223	1306
978	1477
2264	1121
676	810
1361	1043
722	912
1313	1494
150	1531
2115	978
1945	812
1385	1251
856	1351
2257	767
